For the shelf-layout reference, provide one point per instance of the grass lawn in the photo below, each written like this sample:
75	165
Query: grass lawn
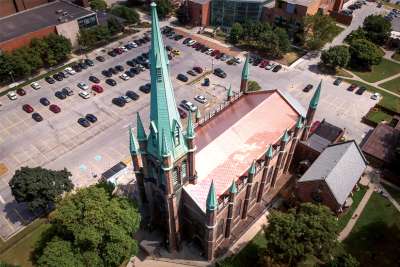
291	56
378	116
17	250
396	56
343	73
393	192
379	72
392	85
248	256
344	218
388	101
375	239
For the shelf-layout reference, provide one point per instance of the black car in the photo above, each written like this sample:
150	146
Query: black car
119	68
90	117
145	55
84	122
58	77
130	73
49	80
37	117
67	91
94	79
130	63
106	73
44	101
204	49
60	95
137	42
89	62
100	59
113	71
168	48
111	82
83	65
361	90
277	68
76	68
146	38
118	101
191	72
146	65
338	81
62	74
308	88
134	70
132	95
178	37
145	88
112	53
187	40
206	82
182	77
220	73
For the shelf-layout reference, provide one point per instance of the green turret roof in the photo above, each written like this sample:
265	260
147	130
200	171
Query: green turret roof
163	110
141	134
246	70
132	142
190	127
252	170
198	114
270	151
285	136
230	92
315	99
299	123
165	150
233	188
212	202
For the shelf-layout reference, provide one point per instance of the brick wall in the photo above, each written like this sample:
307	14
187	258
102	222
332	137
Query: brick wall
199	14
7	8
304	192
341	18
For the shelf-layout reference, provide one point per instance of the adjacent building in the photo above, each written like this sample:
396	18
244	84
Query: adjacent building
209	180
333	176
59	17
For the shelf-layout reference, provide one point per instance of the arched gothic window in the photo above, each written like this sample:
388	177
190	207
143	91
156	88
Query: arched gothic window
184	169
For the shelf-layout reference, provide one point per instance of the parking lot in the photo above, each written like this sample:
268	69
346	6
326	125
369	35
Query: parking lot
59	141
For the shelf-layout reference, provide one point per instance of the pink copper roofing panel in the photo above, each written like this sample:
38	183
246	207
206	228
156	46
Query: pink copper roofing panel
228	143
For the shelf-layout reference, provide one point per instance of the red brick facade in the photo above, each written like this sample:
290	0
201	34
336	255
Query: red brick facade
199	13
9	7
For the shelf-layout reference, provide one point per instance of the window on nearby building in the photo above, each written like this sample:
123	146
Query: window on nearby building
184	169
220	228
255	188
159	75
176	135
270	173
175	176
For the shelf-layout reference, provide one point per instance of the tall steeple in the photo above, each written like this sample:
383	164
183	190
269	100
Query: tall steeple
311	112
315	99
164	116
245	75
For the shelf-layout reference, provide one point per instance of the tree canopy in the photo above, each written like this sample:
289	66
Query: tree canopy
164	7
318	29
129	14
365	53
98	5
182	13
90	228
377	29
39	187
310	230
336	56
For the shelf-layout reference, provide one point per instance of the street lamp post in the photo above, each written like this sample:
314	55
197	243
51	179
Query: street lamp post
212	64
12	76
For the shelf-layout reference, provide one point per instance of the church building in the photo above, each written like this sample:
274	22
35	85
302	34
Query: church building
209	180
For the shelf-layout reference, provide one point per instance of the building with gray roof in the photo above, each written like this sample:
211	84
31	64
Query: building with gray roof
333	176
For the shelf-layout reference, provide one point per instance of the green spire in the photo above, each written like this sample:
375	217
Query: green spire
252	170
212	202
165	151
246	70
230	92
285	137
132	142
198	114
233	188
163	110
190	127
270	152
299	123
315	99
141	134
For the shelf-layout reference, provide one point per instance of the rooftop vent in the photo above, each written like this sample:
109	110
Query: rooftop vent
59	11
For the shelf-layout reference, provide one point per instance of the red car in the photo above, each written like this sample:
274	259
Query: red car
27	108
55	108
97	88
215	52
21	92
182	113
198	69
352	87
263	63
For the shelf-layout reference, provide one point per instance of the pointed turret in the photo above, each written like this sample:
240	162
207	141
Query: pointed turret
198	115
190	127
245	75
233	188
285	136
315	99
133	148
141	133
299	123
164	115
212	202
252	169
229	93
165	150
270	151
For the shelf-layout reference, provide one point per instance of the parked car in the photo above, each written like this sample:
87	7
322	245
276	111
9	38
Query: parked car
187	40
338	81
112	53
49	80
220	73
182	113
189	106
100	58
76	67
106	73
132	95
263	63
130	74
113	71
361	90
54	108
60	95
352	87
21	92
94	79
191	72
206	82
83	86
35	86
277	68
89	62
124	77
84	94
37	117
84	122
58	77
83	65
375	96
198	69
182	77
146	88
90	117
200	98
97	88
119	68
125	98
111	82
270	65
27	108
308	88
44	101
176	52
70	71
118	101
67	91
12	95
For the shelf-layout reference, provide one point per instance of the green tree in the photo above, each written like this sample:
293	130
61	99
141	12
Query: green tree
4	264
355	35
365	53
114	26
59	48
129	14
268	41
164	7
58	253
98	5
98	226
377	29
31	56
20	67
336	56
236	33
344	260
6	66
283	37
39	187
182	14
310	230
318	29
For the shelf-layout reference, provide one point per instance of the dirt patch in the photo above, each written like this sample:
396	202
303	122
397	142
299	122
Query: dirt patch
3	169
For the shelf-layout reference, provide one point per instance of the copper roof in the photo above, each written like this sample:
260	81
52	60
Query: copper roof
228	143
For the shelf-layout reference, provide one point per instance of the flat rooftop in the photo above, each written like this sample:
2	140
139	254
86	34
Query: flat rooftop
38	18
228	143
300	2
